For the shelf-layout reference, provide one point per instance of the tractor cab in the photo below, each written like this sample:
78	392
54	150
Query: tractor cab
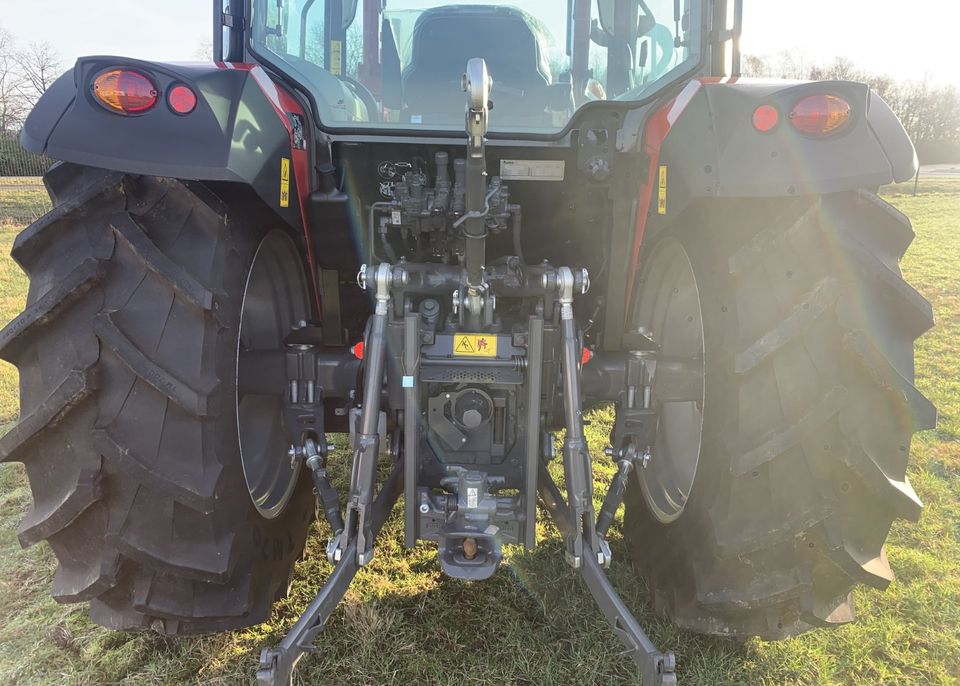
399	64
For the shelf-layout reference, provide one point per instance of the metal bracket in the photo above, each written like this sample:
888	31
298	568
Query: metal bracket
477	84
233	21
303	398
627	459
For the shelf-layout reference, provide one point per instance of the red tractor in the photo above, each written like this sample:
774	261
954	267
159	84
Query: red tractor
449	231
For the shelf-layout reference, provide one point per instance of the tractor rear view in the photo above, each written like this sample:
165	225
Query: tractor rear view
449	232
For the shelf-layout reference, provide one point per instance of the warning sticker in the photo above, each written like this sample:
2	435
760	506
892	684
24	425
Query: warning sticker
284	182
662	191
475	345
336	57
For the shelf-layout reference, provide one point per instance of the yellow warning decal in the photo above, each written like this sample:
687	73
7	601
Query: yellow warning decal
336	57
284	182
662	191
475	345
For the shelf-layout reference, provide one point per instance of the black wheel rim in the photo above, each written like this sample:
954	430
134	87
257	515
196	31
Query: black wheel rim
669	311
274	301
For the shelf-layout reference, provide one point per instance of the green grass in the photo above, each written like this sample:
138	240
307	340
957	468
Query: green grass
21	181
534	622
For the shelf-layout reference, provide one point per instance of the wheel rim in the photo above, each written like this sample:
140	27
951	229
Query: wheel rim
669	310
274	300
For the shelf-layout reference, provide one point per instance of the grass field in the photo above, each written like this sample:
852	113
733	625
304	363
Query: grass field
534	622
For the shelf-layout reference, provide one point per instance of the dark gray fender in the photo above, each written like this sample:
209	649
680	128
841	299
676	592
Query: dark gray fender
713	149
238	131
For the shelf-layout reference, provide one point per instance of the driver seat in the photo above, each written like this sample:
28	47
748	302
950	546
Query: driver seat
445	38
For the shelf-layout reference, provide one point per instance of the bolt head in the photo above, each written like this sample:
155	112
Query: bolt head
645	458
333	549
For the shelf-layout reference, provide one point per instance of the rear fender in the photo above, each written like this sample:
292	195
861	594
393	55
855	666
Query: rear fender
242	129
713	149
702	144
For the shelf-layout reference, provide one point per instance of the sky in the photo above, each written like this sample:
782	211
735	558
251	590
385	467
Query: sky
916	39
905	39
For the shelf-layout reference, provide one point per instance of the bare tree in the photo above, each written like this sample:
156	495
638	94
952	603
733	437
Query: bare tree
204	51
790	65
13	107
353	50
756	66
39	66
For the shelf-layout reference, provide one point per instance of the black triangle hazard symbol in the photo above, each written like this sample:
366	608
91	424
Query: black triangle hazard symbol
464	346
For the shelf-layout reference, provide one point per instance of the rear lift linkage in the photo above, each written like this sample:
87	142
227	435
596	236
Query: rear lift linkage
351	547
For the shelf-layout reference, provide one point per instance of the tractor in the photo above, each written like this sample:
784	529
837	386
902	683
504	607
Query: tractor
447	232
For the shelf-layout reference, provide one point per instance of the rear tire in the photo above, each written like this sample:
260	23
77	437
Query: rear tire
808	413
127	355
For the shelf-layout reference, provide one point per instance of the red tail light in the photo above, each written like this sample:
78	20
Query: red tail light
182	100
765	118
585	356
357	350
821	114
124	91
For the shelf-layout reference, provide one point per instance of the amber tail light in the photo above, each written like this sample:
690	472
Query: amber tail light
125	91
819	115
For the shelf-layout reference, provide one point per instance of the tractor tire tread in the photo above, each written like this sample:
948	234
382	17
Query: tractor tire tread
135	285
799	504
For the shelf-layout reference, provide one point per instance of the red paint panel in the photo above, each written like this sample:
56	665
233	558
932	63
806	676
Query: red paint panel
285	104
657	129
300	160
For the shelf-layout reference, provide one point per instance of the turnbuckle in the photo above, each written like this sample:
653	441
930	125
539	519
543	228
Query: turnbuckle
578	473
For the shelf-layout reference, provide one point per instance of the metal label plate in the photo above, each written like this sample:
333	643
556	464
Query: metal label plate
532	170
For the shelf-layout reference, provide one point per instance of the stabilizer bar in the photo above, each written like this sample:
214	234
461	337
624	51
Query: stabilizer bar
656	668
277	663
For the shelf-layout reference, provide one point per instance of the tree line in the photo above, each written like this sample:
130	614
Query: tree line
930	113
25	74
26	71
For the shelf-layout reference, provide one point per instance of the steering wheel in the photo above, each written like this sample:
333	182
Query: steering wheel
365	95
662	51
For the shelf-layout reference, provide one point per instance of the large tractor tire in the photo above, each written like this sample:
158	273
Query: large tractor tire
127	352
769	495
